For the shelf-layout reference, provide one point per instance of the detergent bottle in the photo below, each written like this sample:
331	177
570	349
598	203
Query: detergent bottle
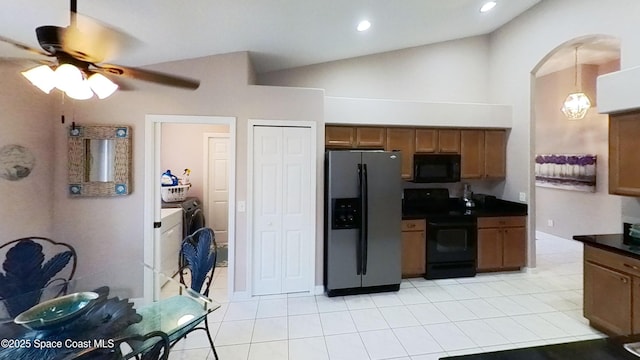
168	179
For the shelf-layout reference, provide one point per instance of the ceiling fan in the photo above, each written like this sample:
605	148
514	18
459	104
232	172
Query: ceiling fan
78	69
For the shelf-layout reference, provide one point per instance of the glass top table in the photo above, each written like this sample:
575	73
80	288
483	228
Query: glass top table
132	299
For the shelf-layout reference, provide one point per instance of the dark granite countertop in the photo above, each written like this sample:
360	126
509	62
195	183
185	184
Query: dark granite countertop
599	349
497	208
622	244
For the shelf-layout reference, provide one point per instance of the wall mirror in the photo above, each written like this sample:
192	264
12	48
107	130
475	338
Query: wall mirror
99	160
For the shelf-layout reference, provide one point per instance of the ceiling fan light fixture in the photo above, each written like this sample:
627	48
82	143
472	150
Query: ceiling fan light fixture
101	85
42	77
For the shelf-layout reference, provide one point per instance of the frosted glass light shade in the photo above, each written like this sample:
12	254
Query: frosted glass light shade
101	85
576	105
68	77
79	90
42	77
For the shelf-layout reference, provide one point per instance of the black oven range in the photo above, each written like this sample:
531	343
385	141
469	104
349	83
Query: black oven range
451	233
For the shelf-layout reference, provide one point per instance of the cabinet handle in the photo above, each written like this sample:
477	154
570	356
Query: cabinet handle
631	266
411	226
624	280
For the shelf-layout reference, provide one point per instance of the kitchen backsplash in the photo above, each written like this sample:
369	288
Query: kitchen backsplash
456	189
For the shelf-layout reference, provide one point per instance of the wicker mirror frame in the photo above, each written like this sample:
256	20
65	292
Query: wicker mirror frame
77	163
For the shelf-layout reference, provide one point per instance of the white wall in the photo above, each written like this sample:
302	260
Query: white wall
27	119
452	71
519	46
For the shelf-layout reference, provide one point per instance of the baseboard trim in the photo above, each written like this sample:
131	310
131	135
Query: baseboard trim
319	290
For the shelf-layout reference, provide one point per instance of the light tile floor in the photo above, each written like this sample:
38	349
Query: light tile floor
426	319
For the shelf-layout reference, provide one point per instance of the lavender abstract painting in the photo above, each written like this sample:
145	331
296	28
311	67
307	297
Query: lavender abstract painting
566	171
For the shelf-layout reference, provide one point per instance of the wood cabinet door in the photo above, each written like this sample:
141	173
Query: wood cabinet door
607	299
413	253
472	154
426	140
489	249
449	141
514	247
339	136
624	162
635	295
370	137
401	139
495	154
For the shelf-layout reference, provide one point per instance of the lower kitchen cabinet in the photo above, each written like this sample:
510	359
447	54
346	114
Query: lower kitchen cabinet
414	248
611	291
502	243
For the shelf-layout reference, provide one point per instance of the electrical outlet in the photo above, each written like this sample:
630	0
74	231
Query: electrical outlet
550	223
523	196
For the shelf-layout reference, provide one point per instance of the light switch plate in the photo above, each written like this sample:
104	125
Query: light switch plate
523	196
242	206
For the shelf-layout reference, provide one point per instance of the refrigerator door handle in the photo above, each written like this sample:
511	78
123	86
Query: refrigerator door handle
365	219
360	228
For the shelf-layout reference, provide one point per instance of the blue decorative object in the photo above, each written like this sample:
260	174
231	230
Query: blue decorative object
26	276
75	189
121	189
199	255
56	312
121	132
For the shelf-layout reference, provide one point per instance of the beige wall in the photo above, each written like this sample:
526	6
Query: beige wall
27	119
103	228
183	147
574	212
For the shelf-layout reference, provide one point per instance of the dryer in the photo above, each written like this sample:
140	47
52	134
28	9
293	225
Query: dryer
192	214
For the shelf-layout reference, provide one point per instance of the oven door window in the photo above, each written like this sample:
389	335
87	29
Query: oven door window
452	240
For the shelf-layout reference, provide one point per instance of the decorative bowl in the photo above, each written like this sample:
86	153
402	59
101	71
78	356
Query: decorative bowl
55	312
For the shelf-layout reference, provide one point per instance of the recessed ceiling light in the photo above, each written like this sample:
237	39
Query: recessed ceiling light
487	6
363	25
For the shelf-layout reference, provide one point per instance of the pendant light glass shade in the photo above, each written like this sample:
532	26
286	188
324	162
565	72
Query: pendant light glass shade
577	104
71	80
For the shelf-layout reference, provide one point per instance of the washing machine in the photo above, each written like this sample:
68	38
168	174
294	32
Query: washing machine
192	214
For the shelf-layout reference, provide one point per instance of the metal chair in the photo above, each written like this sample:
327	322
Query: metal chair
198	260
159	350
27	274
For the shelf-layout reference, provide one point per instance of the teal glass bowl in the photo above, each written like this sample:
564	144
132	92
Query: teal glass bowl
56	312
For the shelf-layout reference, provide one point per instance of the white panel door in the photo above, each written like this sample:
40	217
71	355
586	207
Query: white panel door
281	213
217	216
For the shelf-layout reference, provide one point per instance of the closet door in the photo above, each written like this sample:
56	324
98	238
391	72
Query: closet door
282	198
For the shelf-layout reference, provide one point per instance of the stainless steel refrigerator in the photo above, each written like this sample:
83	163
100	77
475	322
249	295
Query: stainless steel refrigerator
363	213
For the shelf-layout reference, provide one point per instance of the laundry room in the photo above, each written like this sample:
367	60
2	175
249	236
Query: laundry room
197	157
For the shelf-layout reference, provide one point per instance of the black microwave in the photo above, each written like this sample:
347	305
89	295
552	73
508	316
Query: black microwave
436	168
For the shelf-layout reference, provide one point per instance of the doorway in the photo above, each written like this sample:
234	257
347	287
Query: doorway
152	193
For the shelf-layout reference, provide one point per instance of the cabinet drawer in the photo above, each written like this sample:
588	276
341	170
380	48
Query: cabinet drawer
612	260
502	221
413	225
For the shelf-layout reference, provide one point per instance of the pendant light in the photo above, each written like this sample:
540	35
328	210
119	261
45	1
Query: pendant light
577	103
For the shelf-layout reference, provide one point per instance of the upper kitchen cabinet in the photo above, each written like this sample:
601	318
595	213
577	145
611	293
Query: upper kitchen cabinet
339	136
401	139
354	137
449	141
495	160
472	154
442	141
483	154
624	163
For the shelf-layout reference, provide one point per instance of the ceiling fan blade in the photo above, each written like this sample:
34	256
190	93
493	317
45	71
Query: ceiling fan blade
147	75
24	47
90	40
